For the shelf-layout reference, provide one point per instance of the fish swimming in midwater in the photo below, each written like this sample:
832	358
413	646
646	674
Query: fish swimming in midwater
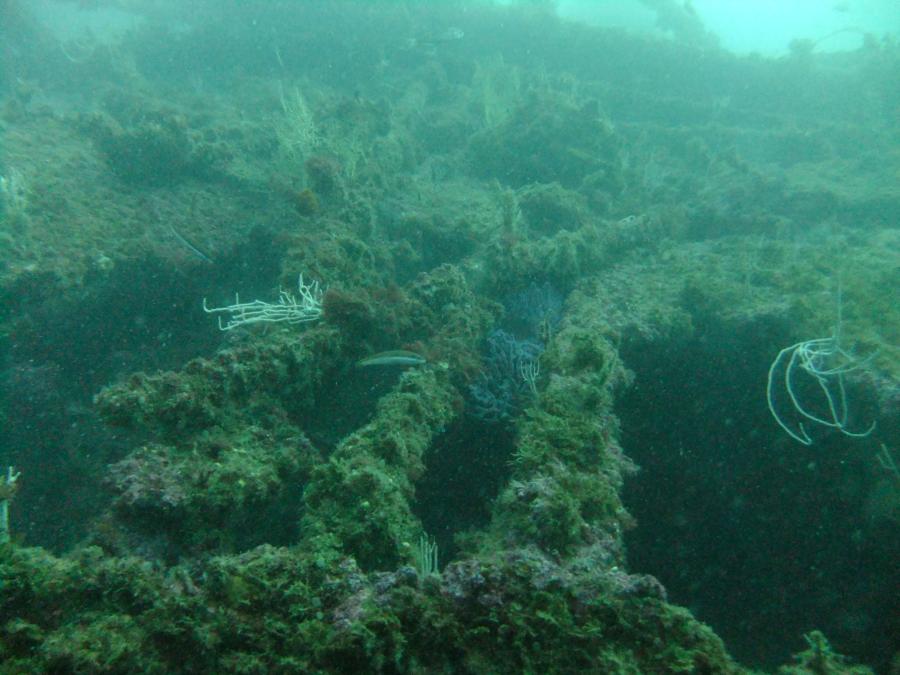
184	241
430	43
395	357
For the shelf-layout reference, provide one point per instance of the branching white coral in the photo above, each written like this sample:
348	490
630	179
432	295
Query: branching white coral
297	131
304	307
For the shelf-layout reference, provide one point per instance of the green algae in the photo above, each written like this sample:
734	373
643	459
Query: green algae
414	260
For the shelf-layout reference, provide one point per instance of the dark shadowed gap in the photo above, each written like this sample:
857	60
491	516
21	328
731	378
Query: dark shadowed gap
763	538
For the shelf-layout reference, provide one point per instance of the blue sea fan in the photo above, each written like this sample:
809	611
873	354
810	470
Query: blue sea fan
506	383
535	311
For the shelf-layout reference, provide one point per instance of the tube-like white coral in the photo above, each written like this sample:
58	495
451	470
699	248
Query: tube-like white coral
304	307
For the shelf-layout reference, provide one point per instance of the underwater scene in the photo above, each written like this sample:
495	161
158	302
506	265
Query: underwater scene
448	337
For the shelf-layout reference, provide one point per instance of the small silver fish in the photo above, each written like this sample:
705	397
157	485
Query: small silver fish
451	34
395	357
430	43
184	241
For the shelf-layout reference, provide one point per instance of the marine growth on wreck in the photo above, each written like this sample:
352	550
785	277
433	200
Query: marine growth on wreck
458	337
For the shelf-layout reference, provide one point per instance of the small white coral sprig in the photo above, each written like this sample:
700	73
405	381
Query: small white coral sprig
13	192
304	307
8	487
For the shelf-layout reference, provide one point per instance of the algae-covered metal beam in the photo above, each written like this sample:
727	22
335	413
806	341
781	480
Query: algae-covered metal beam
360	499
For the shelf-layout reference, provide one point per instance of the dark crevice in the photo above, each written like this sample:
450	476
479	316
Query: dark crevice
744	526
